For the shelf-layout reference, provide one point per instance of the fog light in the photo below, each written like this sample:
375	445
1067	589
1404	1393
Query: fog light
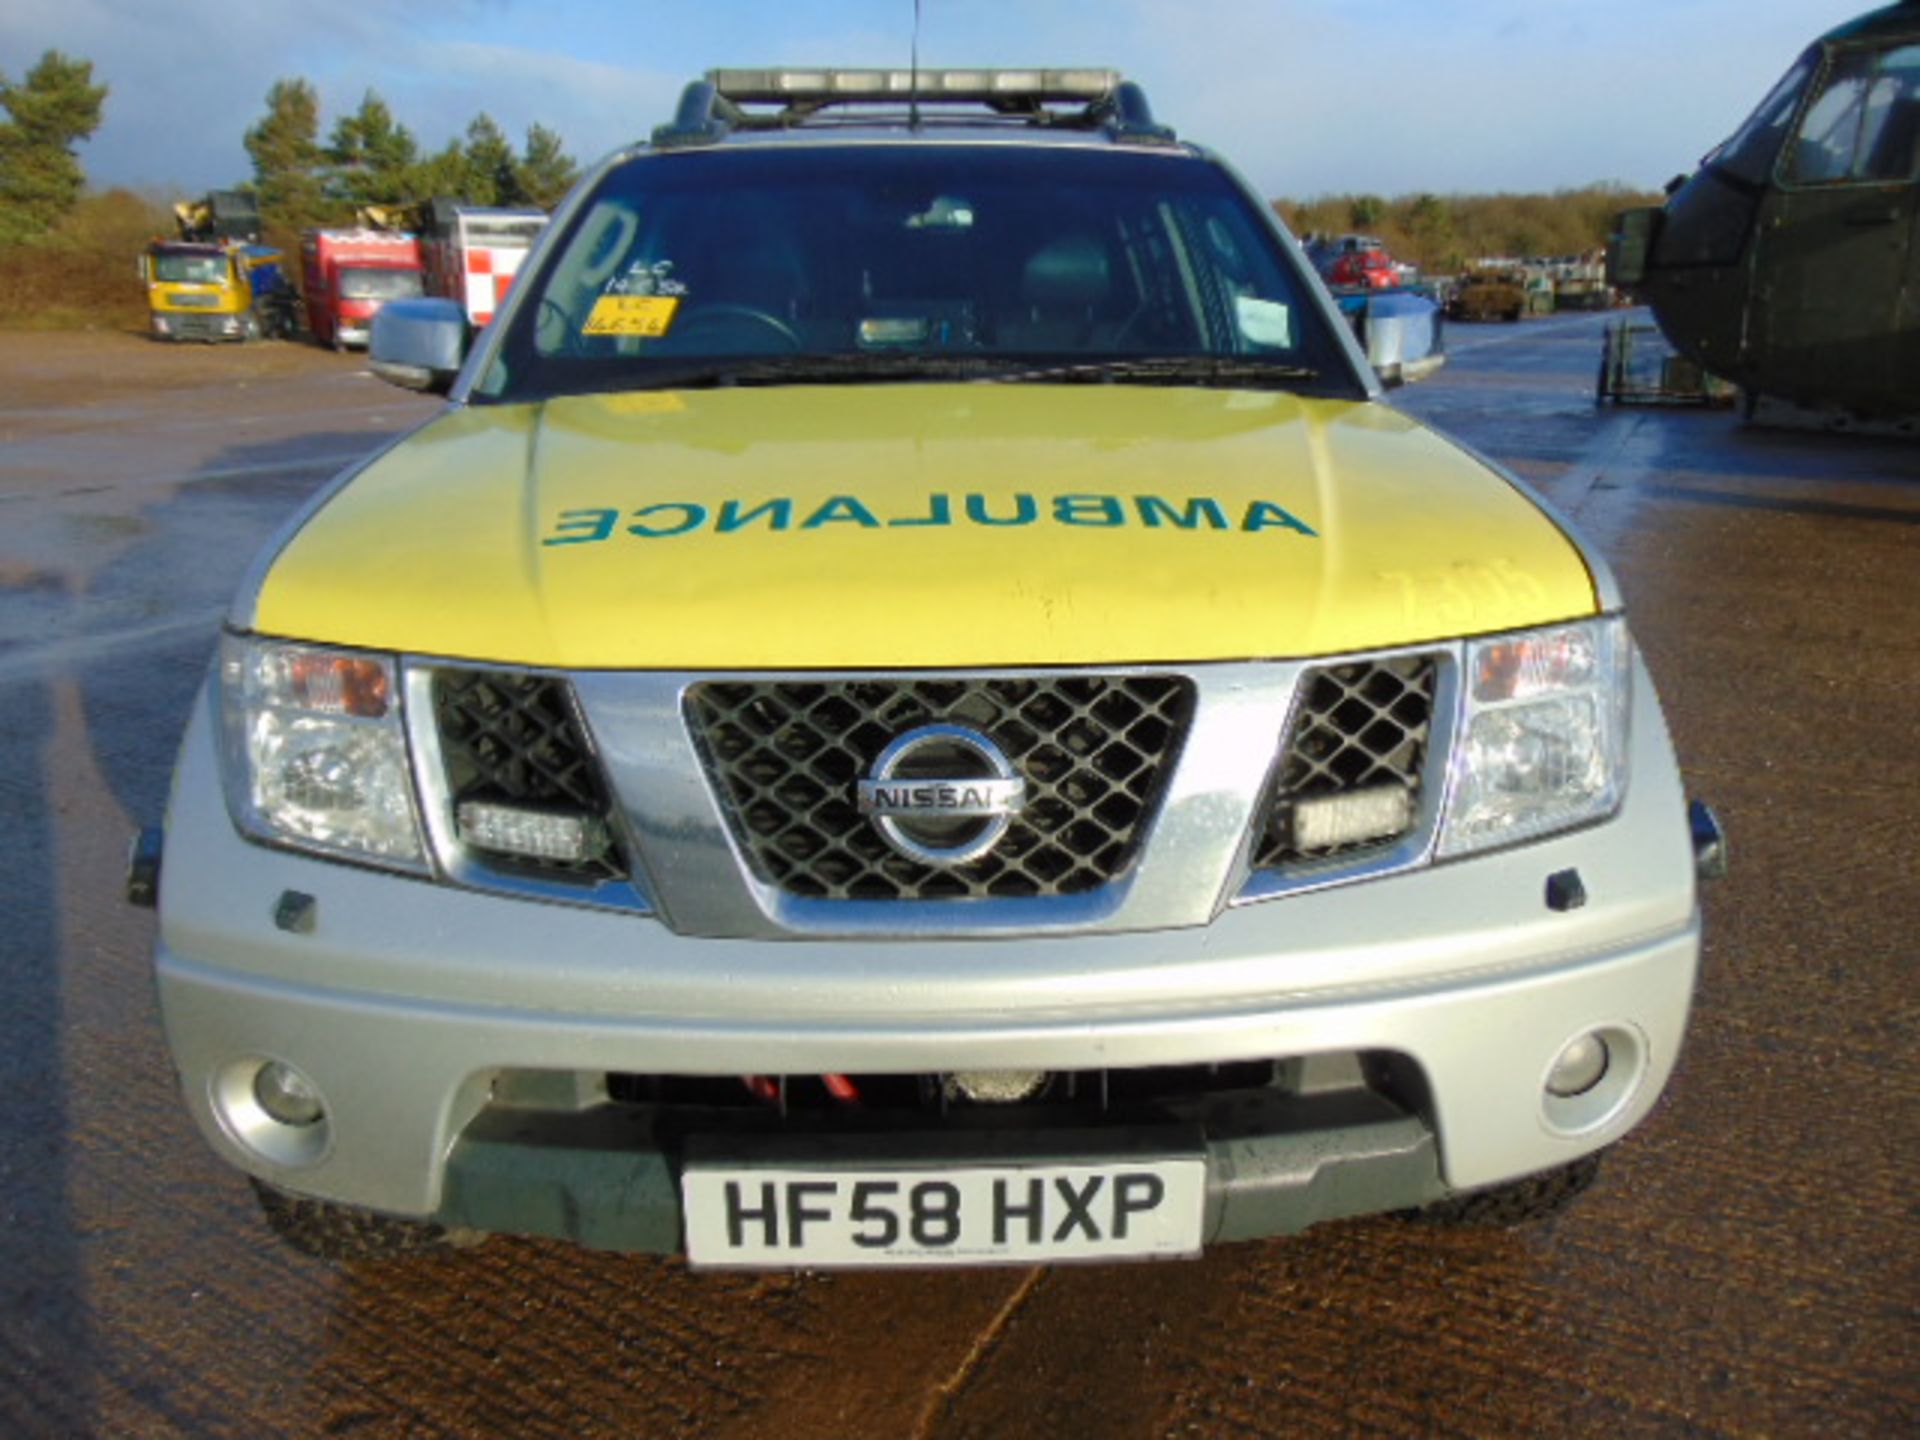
1352	817
995	1087
1581	1066
536	834
287	1095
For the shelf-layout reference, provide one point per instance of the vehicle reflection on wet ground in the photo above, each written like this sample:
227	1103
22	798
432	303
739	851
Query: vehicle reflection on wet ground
1746	1264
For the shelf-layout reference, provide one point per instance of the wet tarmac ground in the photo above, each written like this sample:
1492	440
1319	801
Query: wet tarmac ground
1749	1263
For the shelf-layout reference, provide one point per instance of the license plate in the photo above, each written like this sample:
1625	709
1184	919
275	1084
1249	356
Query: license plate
943	1215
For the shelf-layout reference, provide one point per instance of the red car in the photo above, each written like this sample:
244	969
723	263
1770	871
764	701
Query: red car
1366	266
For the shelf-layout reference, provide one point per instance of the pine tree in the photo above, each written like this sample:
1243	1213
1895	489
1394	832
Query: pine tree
285	148
1430	227
491	173
442	173
55	108
547	172
371	155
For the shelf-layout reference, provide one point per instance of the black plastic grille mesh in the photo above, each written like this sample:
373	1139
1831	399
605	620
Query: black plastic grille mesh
1095	752
514	739
1356	726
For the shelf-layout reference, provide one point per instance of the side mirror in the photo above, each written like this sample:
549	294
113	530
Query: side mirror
418	344
1404	336
1630	244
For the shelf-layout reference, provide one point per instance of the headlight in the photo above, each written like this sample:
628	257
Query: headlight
1543	736
316	752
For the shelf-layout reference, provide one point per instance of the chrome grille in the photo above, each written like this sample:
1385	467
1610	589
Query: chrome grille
785	757
196	327
513	739
1355	726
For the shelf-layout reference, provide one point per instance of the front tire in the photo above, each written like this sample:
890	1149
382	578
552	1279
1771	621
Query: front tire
336	1233
1518	1202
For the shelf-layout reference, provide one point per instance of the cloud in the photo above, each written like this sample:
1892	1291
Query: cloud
1474	95
1308	96
187	78
172	102
436	88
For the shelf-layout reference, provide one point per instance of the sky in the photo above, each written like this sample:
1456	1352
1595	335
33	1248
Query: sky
1307	97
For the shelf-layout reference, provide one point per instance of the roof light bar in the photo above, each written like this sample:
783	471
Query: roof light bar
779	86
1087	98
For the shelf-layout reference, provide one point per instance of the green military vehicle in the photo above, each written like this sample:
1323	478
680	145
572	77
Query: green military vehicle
1790	261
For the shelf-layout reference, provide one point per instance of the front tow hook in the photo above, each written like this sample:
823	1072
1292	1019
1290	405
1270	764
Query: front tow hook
1709	841
143	867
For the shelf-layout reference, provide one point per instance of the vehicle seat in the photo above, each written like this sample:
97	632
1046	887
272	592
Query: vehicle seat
1065	292
1896	152
761	273
740	272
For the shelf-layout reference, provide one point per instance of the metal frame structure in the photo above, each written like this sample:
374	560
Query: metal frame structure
725	101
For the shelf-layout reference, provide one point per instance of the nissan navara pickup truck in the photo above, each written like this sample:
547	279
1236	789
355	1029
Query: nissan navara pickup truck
916	707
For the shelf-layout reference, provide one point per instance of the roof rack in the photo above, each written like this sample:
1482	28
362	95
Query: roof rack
725	101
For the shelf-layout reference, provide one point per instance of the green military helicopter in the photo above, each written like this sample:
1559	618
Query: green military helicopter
1790	261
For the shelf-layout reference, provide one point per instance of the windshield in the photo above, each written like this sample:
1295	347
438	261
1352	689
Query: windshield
924	261
365	283
177	269
1749	154
1864	124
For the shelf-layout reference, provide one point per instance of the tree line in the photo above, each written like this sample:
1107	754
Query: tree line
370	158
1446	233
65	253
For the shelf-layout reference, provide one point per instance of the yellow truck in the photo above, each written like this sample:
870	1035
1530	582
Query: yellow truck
217	281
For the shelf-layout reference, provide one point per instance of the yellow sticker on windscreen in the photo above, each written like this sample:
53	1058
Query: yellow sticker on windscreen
645	315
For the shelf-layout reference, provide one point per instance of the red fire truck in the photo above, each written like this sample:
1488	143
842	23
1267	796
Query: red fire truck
349	274
472	252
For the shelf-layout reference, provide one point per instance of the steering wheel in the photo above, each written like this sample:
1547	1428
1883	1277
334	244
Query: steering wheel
724	312
554	329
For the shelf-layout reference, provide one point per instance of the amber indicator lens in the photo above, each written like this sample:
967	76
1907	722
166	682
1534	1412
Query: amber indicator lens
1534	665
339	684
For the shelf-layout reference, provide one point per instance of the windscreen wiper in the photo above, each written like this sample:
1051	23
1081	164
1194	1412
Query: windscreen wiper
869	367
1226	370
835	369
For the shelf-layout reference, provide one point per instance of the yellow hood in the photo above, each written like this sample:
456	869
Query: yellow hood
919	525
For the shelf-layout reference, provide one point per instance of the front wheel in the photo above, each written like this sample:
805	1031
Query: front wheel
332	1232
1518	1202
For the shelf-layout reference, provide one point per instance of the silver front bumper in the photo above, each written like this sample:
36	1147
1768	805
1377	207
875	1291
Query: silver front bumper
407	1000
